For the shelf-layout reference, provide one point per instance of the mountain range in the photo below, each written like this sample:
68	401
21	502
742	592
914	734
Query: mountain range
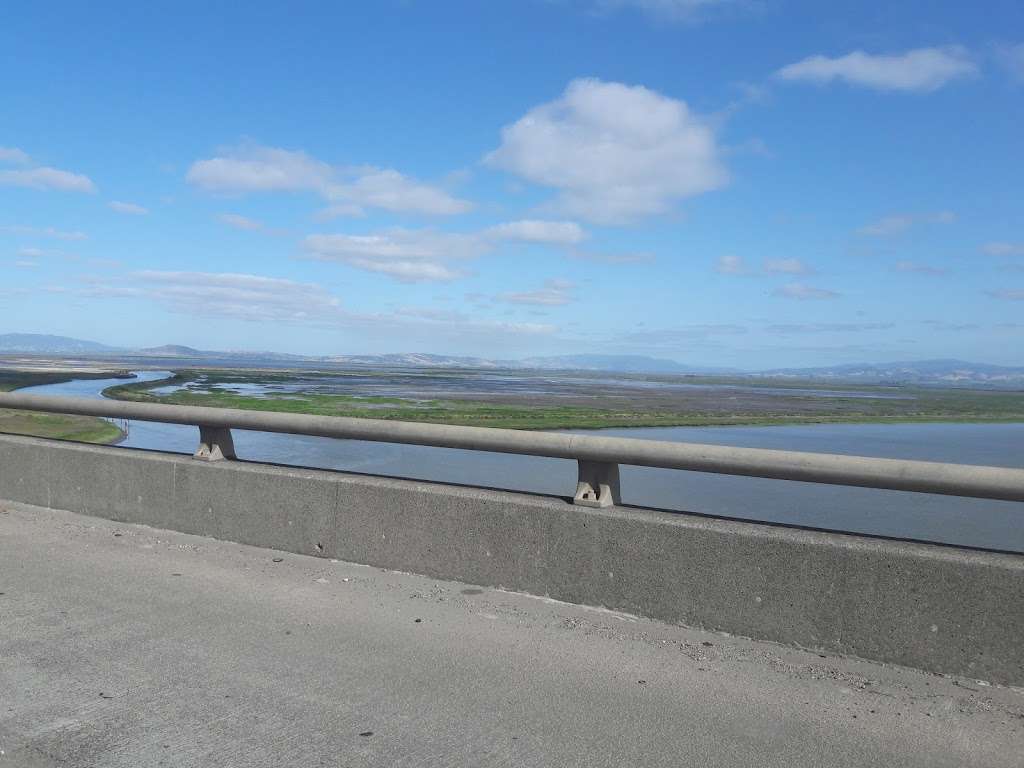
945	372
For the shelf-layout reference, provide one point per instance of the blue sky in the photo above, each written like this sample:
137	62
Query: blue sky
720	182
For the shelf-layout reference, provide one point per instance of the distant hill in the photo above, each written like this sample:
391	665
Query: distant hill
922	372
172	350
419	360
616	363
43	344
951	372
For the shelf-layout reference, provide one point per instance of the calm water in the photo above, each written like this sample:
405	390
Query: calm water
971	522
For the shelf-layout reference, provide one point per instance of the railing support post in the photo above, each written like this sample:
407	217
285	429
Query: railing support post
215	444
598	484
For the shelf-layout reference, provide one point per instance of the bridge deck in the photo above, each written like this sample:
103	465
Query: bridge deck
122	645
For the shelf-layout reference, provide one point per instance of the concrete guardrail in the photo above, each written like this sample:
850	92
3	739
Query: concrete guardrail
598	457
938	608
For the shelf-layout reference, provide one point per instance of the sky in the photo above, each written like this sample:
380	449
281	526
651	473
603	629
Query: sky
741	183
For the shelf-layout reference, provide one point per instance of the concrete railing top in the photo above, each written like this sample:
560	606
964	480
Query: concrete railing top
598	457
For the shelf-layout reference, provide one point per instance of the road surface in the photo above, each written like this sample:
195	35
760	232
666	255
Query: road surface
124	646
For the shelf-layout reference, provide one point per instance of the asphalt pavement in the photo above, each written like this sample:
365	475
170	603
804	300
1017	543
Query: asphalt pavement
124	646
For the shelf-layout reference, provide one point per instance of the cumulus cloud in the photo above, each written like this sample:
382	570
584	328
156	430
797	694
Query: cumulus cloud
14	156
803	292
129	208
349	190
409	256
240	222
44	177
731	265
921	69
391	191
1003	249
555	293
787	267
901	222
254	168
537	231
614	152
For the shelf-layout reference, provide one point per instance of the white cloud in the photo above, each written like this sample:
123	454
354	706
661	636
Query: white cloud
787	267
391	191
1003	249
673	10
921	69
918	268
802	291
614	152
256	298
901	222
1011	57
47	178
668	338
240	222
737	265
129	208
57	234
731	265
944	325
32	253
336	210
406	255
554	293
787	329
232	295
537	231
1011	294
426	255
14	156
253	168
637	257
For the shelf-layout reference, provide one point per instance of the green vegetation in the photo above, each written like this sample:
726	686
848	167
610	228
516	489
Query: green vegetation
83	429
597	406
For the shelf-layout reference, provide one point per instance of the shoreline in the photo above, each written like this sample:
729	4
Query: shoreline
498	415
63	377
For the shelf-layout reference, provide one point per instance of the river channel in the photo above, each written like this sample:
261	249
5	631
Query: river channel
968	522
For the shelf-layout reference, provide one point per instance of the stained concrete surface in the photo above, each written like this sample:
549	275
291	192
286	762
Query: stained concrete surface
123	645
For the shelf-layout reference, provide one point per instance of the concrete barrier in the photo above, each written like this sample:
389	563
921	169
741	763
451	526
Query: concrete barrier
941	609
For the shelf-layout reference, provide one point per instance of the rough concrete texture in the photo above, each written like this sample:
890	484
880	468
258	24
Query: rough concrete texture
123	646
936	608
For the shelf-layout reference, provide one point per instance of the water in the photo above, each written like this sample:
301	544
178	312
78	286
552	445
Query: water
968	522
440	384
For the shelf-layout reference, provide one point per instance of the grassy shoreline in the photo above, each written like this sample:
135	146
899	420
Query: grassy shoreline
56	426
946	406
